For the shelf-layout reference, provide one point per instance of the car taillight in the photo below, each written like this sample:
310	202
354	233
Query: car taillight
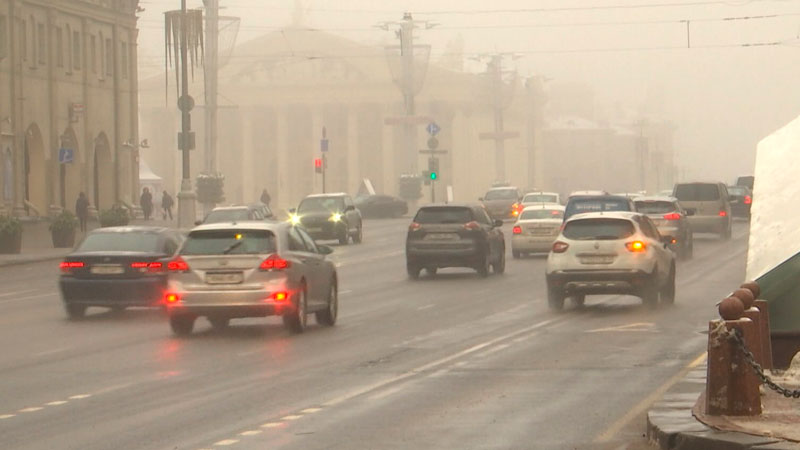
178	265
723	213
636	246
560	247
748	200
69	266
279	296
414	226
517	230
471	225
150	267
672	216
274	262
170	298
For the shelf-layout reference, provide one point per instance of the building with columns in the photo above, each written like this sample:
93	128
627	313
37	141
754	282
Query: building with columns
68	104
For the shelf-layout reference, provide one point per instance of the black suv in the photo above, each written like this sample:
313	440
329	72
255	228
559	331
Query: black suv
329	216
454	235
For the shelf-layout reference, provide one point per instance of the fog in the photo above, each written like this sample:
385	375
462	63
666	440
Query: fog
721	96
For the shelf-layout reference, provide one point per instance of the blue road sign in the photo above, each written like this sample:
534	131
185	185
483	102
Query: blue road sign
433	129
323	145
65	155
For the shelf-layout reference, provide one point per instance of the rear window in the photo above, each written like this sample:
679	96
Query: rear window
230	242
542	214
736	190
228	215
540	198
587	205
501	194
444	215
598	229
655	207
120	242
697	192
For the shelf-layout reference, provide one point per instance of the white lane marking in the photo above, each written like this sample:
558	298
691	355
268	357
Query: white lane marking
9	300
226	442
438	362
292	417
80	396
9	294
31	409
59	402
346	291
51	352
311	410
7	416
421	308
250	433
272	425
631	327
494	350
387	392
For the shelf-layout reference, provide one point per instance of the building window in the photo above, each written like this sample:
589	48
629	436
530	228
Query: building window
102	58
76	50
3	36
8	176
109	58
124	60
93	53
23	31
41	41
59	47
33	43
69	49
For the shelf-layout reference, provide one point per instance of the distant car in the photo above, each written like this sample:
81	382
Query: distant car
672	222
233	214
578	204
265	210
618	253
747	181
329	216
741	198
532	198
501	202
536	229
454	235
630	195
381	206
710	205
664	193
587	193
250	269
117	267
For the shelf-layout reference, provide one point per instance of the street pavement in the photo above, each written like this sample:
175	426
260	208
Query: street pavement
454	361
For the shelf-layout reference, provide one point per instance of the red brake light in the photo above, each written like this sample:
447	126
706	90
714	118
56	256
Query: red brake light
414	226
748	200
67	266
178	265
151	266
560	247
517	230
471	225
636	246
280	296
274	262
171	298
723	213
672	216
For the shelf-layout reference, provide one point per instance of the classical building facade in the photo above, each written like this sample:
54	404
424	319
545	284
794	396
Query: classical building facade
68	104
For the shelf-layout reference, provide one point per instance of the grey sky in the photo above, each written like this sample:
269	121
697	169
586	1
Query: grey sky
722	97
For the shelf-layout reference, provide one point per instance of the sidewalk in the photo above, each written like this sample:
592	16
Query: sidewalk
671	424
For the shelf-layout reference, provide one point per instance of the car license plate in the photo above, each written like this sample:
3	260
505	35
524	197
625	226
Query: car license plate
540	231
441	236
225	278
597	259
314	229
107	269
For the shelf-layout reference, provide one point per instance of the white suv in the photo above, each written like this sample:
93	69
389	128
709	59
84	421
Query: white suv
610	253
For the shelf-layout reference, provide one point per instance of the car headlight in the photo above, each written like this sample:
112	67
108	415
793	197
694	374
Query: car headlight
294	219
336	217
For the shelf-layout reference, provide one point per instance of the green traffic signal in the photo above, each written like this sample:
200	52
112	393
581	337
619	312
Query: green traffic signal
434	175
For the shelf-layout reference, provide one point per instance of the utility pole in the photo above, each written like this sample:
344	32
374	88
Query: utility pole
500	98
211	83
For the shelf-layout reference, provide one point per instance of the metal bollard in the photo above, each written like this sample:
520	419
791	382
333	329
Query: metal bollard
766	334
757	345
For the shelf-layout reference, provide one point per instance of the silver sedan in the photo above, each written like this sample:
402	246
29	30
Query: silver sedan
250	269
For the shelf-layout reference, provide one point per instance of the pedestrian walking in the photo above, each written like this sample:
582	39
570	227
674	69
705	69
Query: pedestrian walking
82	210
166	205
265	198
146	202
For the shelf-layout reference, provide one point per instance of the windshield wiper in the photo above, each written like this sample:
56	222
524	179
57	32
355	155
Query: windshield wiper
232	247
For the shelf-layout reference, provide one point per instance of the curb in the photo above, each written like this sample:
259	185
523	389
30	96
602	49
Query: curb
671	425
30	260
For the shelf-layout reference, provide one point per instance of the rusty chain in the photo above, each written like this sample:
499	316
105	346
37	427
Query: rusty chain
737	337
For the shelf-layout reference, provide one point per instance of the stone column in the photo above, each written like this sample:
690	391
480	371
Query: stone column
317	122
282	196
247	159
353	169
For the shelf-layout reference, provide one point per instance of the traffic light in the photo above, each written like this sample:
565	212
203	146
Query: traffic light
318	165
434	176
433	168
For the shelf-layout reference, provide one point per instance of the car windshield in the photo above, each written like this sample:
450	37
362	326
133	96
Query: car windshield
598	229
541	214
697	192
444	215
232	242
136	241
321	204
655	207
501	194
227	215
540	198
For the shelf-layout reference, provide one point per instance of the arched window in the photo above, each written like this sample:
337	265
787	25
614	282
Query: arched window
8	176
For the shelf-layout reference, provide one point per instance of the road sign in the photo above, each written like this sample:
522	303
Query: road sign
433	129
433	143
323	145
66	155
188	142
185	103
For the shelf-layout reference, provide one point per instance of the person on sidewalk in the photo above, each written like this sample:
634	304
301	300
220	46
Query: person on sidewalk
82	210
166	205
146	202
265	198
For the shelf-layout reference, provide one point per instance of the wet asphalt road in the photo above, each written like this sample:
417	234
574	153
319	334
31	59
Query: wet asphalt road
449	362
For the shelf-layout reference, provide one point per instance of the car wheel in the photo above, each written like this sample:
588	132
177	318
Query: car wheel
296	319
499	267
182	325
483	267
578	300
219	323
431	271
650	293
359	235
668	290
413	271
555	299
516	254
74	311
328	316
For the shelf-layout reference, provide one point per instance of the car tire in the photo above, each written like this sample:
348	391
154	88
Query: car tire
328	316
413	271
483	266
75	312
359	236
516	254
650	293
219	323
431	271
578	300
667	293
182	324
555	299
296	319
499	267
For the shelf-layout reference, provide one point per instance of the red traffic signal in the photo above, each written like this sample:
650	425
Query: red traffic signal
318	164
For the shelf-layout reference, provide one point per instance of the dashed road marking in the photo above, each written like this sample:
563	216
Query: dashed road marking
292	417
7	416
226	442
425	307
56	403
9	294
250	433
272	425
311	410
80	396
31	409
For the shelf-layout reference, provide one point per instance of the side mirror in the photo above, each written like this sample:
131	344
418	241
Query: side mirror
292	210
324	249
198	222
690	211
498	223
